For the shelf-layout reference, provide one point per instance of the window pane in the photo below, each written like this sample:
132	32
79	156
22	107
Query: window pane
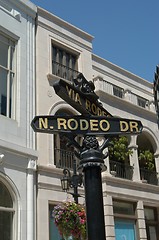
60	56
141	102
67	60
54	233
54	54
152	232
123	208
12	58
6	219
3	92
5	199
125	230
64	63
11	94
117	91
73	62
149	214
7	67
4	54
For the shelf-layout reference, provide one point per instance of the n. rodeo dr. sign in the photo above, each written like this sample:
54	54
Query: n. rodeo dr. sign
80	125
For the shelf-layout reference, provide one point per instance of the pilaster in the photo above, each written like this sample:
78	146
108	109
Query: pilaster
31	208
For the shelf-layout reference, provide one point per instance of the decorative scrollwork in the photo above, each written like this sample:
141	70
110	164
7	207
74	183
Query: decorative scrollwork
86	87
90	142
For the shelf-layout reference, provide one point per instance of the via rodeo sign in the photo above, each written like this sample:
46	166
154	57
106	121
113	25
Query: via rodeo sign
80	94
95	120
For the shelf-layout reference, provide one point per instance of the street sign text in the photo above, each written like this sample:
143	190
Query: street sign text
93	125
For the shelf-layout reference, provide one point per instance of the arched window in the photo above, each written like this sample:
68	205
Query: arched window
119	157
63	154
6	213
146	158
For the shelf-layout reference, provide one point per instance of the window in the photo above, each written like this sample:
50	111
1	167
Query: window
64	155
125	220
142	102
53	231
151	223
7	74
117	91
6	214
64	63
123	208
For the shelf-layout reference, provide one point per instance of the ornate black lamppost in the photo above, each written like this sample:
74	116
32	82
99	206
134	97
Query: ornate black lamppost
73	181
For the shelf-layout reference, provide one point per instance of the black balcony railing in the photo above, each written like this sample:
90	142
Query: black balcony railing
63	158
62	71
121	170
149	176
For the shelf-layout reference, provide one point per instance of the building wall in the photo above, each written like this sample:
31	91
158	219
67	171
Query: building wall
17	140
105	75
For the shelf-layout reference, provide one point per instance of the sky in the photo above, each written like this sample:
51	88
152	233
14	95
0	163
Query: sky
125	32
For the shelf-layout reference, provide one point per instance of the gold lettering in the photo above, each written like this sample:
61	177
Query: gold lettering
105	114
43	123
94	108
94	125
69	91
124	126
77	99
84	124
106	123
88	105
99	111
61	122
134	125
75	123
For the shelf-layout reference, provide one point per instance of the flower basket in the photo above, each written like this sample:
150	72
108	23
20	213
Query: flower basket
70	219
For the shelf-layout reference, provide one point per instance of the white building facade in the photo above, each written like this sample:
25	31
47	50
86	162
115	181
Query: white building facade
31	165
131	194
17	109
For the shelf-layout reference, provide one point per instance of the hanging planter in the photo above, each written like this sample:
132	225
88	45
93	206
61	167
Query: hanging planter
70	219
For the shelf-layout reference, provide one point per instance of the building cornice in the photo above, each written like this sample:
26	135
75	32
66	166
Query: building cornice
26	6
56	20
120	70
18	150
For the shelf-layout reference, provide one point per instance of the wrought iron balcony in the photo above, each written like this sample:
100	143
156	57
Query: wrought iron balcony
149	176
63	158
121	170
62	71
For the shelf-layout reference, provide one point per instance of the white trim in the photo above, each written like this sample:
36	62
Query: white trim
30	200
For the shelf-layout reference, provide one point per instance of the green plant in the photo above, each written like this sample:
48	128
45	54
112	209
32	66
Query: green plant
146	159
118	150
70	219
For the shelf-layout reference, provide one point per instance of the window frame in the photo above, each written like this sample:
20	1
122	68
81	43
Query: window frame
64	63
117	91
127	217
142	102
153	222
50	208
12	209
10	70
